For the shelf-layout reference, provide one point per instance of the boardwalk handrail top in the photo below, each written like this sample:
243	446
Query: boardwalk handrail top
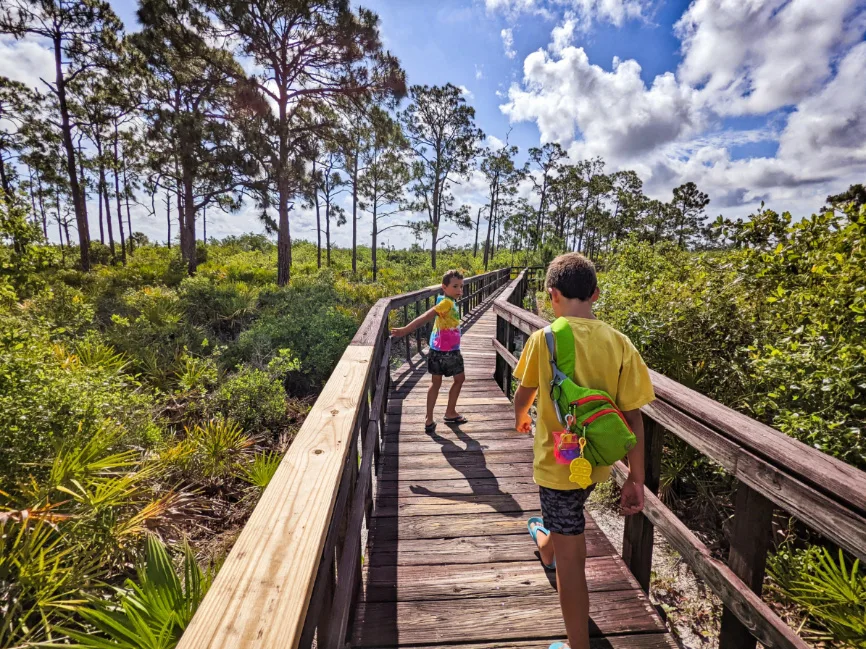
278	582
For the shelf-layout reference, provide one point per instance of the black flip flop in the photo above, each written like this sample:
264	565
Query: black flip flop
460	419
429	428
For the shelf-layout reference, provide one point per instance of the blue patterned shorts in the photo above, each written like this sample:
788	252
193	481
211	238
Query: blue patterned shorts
562	511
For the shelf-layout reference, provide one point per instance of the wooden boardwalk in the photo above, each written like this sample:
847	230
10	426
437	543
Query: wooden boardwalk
450	560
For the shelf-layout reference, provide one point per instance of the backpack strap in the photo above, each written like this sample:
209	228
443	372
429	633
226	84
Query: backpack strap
558	376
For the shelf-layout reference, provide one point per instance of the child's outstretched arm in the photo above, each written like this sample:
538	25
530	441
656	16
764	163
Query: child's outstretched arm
523	399
424	318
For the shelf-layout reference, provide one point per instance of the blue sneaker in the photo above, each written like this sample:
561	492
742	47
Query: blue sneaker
559	645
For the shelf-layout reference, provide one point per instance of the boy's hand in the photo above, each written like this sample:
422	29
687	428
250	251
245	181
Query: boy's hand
631	500
398	332
523	423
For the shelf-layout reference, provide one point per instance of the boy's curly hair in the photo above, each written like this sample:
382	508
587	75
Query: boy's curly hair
450	275
573	275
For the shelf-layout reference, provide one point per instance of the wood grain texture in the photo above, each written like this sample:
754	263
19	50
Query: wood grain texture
456	581
497	618
737	596
260	595
837	479
472	549
639	641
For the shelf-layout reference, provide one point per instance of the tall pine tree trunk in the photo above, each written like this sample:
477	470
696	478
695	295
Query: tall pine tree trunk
189	220
477	226
284	238
74	188
318	220
103	196
355	213
168	218
126	193
375	234
117	199
328	230
42	206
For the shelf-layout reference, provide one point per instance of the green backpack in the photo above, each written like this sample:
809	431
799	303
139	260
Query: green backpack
595	432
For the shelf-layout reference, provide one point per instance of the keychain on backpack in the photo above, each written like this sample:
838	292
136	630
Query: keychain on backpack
581	469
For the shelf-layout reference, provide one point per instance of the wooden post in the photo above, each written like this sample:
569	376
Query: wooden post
405	322
418	331
750	541
509	345
637	539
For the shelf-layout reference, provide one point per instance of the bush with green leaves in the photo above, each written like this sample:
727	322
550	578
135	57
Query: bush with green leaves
255	398
773	326
48	392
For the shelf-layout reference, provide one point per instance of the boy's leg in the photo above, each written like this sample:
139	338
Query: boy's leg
432	394
571	584
453	394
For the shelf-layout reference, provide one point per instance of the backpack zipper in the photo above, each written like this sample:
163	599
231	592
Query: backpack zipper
593	397
607	411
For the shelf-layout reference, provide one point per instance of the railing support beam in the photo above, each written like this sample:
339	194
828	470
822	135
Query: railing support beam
750	542
637	540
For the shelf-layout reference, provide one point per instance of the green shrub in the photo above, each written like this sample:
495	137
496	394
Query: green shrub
261	469
255	399
218	450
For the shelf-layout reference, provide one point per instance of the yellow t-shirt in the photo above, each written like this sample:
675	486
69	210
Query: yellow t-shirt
605	359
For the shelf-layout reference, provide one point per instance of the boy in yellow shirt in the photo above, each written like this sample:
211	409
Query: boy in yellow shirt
605	360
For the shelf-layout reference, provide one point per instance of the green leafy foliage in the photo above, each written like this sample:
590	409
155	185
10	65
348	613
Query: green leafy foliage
150	612
254	398
261	469
831	592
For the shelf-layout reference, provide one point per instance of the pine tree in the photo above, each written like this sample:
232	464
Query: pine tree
387	173
310	52
81	33
441	130
689	204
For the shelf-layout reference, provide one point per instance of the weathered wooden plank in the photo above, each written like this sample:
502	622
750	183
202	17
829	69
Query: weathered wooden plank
465	404
465	459
496	619
637	539
436	503
491	485
441	472
487	416
449	446
838	480
457	434
455	581
751	539
471	549
472	427
823	514
639	641
448	527
505	354
260	595
746	605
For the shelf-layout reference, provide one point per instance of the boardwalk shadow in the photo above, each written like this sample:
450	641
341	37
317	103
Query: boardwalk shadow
470	461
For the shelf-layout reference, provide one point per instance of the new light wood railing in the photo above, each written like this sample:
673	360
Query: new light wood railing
294	571
772	470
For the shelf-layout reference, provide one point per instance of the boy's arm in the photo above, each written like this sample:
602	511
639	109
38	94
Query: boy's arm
631	501
424	318
523	399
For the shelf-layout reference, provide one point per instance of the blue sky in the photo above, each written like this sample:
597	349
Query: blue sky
751	99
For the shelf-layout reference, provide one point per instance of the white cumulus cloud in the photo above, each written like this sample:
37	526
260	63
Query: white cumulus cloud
508	42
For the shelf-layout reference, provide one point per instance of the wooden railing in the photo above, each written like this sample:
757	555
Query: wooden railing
772	470
294	571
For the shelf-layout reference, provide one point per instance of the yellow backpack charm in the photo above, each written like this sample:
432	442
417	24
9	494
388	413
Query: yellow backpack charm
581	469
